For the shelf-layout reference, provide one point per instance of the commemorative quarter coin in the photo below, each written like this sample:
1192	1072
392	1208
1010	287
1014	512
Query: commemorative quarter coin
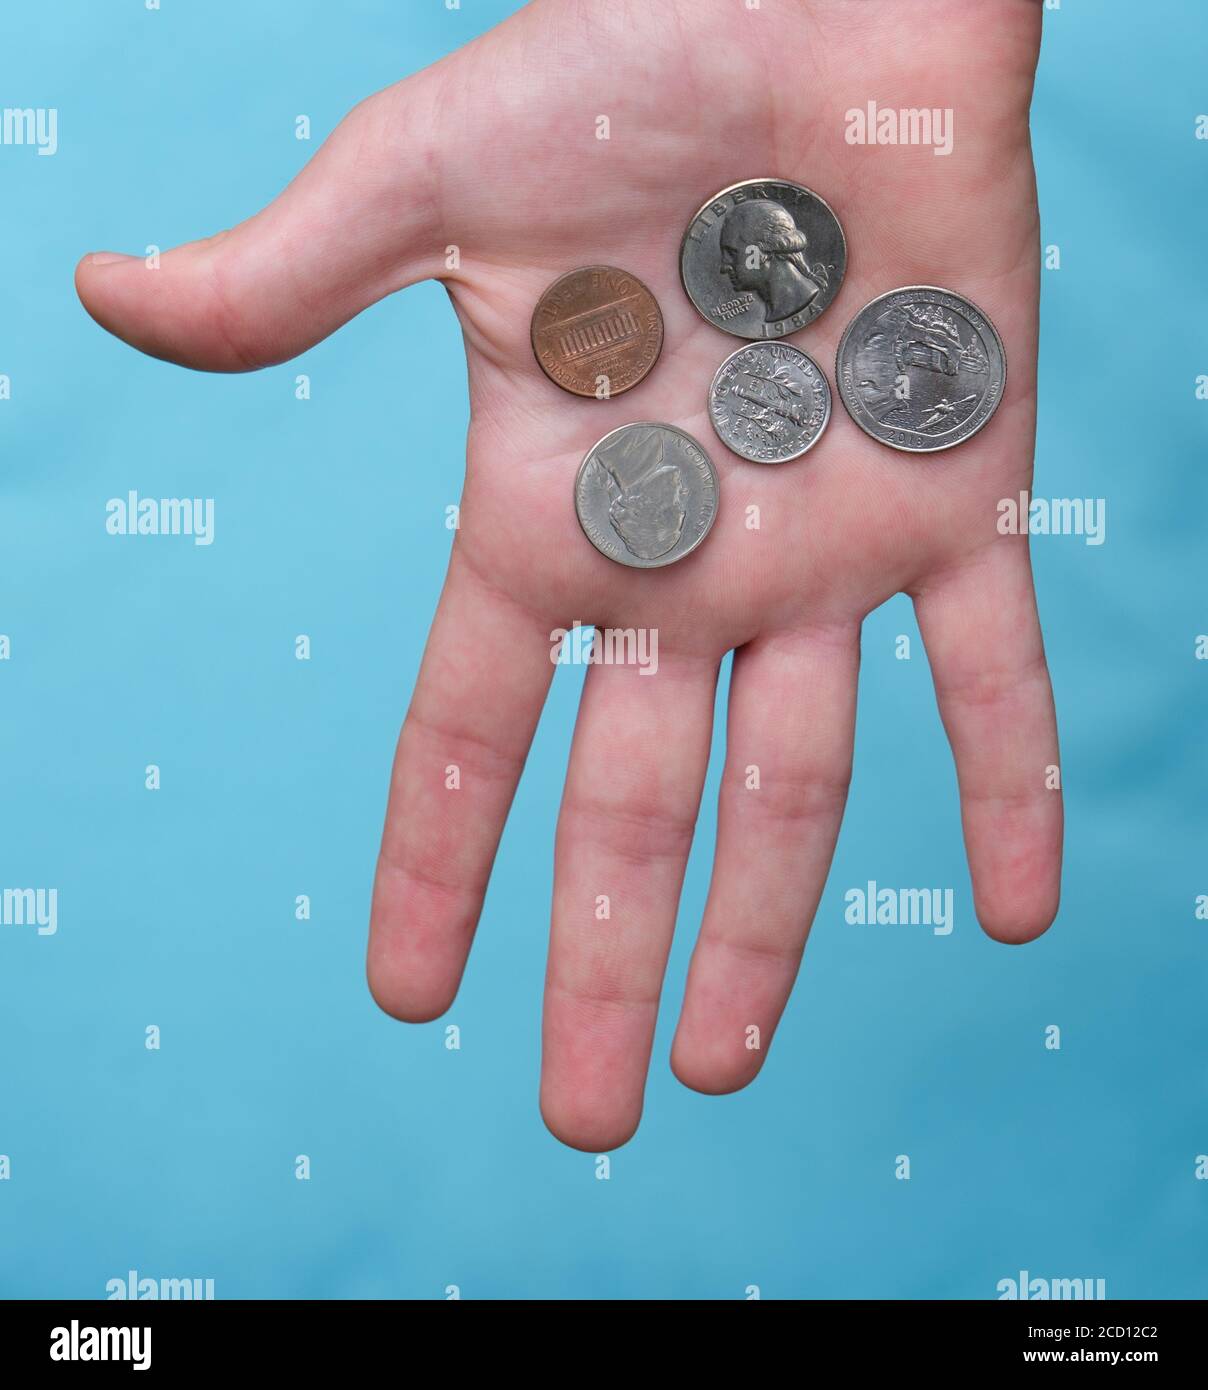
921	369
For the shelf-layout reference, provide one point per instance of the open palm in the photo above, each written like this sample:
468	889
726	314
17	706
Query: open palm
495	152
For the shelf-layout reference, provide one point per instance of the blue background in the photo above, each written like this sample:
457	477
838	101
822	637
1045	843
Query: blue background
431	1167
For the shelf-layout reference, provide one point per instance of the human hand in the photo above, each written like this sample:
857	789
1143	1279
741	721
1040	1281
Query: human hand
494	150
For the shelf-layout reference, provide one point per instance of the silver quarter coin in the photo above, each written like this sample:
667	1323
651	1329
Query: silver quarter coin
646	495
764	258
921	368
769	402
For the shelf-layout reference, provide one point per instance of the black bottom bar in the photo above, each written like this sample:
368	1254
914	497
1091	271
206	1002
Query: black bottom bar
173	1338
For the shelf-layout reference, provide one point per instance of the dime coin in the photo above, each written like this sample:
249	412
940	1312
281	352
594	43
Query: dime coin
763	259
597	331
921	369
769	402
646	495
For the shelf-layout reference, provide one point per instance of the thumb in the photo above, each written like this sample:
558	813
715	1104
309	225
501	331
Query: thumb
360	221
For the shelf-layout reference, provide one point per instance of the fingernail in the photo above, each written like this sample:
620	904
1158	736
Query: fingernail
107	257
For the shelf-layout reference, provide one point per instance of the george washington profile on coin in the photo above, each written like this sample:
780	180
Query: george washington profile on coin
763	250
646	493
763	258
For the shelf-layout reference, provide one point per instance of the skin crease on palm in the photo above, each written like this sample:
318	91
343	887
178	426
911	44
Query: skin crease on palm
494	150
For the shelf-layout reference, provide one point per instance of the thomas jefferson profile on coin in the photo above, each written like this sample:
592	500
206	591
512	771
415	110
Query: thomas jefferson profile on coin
763	259
646	495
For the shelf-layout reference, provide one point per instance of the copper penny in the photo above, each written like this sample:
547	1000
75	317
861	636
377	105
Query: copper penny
597	331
